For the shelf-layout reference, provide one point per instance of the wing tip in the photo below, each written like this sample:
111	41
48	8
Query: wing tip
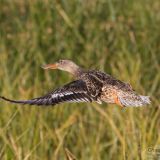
4	98
12	101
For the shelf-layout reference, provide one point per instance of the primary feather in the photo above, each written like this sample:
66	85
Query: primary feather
75	91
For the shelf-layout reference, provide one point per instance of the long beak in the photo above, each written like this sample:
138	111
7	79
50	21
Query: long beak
50	66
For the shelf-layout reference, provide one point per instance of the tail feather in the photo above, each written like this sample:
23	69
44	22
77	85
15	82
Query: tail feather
135	101
145	99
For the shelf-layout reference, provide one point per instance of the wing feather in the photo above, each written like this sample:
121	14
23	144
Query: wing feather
75	91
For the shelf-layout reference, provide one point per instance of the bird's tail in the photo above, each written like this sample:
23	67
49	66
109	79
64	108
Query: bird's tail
145	99
135	100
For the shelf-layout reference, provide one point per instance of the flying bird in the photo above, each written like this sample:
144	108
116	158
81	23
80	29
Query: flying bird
88	86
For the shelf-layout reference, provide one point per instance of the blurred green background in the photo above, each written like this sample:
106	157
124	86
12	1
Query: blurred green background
119	37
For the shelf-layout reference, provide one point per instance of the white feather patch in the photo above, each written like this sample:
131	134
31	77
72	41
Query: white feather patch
84	99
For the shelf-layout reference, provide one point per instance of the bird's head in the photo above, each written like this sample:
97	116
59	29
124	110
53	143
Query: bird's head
65	65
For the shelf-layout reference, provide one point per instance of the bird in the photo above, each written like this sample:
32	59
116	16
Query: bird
87	86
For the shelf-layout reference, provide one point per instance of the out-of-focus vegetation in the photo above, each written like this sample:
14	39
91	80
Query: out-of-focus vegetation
119	37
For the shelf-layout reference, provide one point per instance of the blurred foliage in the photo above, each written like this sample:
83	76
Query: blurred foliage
119	37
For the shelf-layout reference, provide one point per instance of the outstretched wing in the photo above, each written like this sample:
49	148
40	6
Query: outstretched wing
75	91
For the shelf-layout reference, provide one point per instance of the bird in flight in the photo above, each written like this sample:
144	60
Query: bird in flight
88	86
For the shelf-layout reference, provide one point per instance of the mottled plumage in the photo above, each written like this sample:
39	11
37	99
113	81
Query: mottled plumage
89	86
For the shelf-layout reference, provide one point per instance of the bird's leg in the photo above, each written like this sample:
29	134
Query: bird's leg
116	101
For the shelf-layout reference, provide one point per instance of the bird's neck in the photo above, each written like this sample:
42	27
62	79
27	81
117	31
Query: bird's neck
76	71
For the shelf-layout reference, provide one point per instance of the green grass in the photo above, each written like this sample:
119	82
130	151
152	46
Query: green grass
118	37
